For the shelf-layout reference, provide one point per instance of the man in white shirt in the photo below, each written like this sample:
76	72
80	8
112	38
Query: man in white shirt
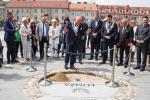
42	30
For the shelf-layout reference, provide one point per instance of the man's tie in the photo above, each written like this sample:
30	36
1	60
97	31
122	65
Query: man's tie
123	30
109	25
43	29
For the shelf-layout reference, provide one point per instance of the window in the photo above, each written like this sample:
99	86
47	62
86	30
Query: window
35	10
72	14
100	10
102	16
27	10
121	10
56	10
103	10
17	11
22	10
62	17
62	10
142	12
42	10
92	14
86	14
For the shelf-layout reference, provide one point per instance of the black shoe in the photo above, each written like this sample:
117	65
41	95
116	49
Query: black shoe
8	62
80	62
120	64
96	59
72	67
125	66
40	59
90	59
14	61
66	66
102	62
111	64
47	56
142	69
83	57
136	67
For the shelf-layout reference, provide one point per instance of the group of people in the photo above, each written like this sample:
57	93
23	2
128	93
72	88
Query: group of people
71	38
29	36
106	34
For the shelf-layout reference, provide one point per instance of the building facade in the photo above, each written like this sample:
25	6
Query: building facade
2	9
82	9
37	8
61	8
120	12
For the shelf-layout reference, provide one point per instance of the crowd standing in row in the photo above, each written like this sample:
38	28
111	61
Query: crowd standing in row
72	36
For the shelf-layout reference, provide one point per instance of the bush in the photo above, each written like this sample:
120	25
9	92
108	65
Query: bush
1	22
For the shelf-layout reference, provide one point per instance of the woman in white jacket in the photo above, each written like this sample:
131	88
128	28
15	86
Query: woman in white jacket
54	37
25	32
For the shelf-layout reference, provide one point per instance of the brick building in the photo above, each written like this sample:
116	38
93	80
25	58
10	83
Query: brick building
2	9
61	8
36	8
88	10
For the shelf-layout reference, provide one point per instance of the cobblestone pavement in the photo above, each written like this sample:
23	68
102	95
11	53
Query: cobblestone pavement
13	77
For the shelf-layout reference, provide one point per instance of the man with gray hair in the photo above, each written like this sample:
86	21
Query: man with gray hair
79	29
125	39
42	33
142	38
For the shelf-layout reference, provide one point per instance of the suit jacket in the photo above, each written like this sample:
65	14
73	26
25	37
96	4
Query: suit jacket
96	29
70	37
143	33
82	30
112	32
126	36
39	35
10	31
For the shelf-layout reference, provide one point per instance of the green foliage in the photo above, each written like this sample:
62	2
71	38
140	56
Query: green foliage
1	21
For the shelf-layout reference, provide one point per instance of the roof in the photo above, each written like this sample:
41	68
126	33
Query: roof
38	4
83	7
114	7
131	3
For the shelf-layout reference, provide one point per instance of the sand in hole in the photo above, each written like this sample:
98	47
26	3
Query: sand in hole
59	77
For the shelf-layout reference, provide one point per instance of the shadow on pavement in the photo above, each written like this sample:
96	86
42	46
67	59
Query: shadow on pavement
11	77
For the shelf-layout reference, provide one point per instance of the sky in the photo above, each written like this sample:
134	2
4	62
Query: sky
135	3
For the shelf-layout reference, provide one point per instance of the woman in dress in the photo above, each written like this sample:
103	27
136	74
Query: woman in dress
33	38
25	32
54	37
133	24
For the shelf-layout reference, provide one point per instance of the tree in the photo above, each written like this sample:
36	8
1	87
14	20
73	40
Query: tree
1	22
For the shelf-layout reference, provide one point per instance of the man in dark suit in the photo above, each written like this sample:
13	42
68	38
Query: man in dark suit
125	39
142	38
70	45
9	37
108	38
80	29
85	28
95	28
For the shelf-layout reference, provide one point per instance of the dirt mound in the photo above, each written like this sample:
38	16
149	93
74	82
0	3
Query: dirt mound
59	77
